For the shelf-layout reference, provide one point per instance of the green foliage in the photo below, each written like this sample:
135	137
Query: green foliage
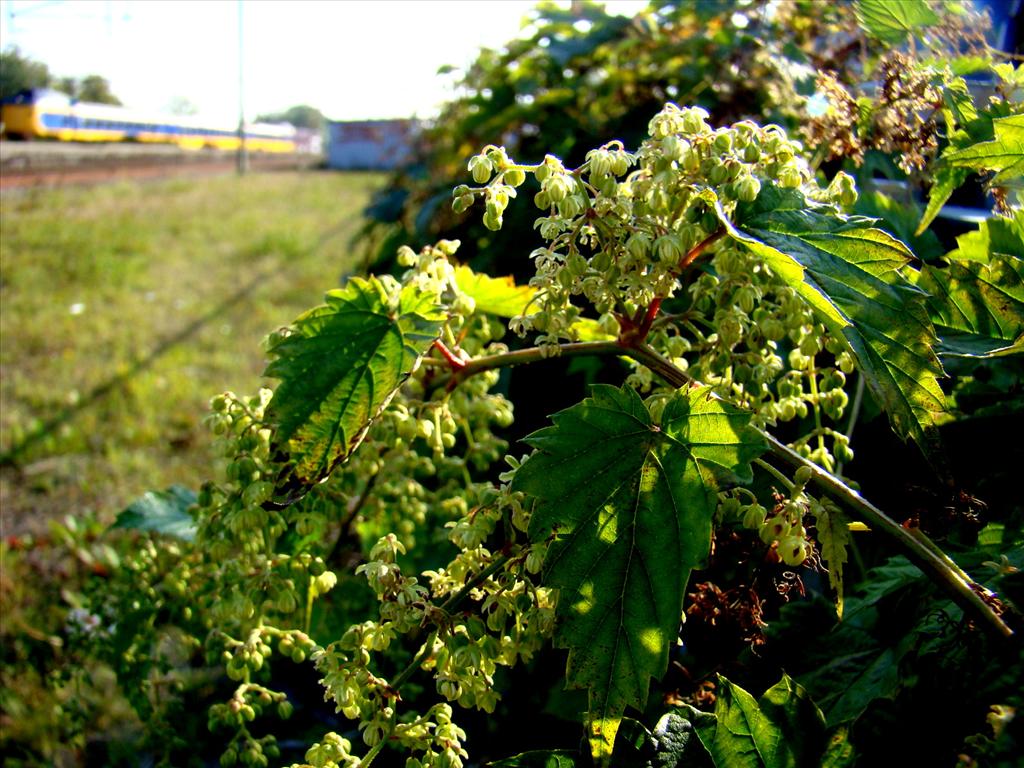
899	649
18	73
301	116
91	88
894	21
673	741
850	274
629	503
580	77
978	308
373	341
989	141
833	534
783	728
494	295
1004	154
671	529
539	759
163	512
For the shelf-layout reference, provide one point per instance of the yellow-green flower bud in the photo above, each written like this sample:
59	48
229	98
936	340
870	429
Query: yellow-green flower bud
844	190
463	203
775	528
639	245
753	517
600	161
570	207
793	550
789	177
674	148
480	167
747	189
694	120
492	221
498	158
668	248
620	162
514	177
557	188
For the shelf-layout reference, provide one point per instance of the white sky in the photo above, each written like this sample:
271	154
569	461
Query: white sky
352	59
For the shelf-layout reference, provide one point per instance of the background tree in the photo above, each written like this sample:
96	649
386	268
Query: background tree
96	89
18	72
301	116
91	88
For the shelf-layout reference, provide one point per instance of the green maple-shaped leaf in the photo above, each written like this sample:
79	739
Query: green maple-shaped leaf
629	503
892	21
849	273
339	367
1004	154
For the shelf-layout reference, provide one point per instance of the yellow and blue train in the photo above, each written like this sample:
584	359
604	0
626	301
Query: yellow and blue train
41	113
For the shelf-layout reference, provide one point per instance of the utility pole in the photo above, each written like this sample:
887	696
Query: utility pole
243	152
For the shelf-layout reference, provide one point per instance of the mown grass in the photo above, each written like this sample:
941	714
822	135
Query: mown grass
124	308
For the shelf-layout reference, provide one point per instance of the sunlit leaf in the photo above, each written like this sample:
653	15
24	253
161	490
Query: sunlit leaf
785	729
1004	154
673	742
978	308
849	273
629	503
945	182
892	21
494	295
502	297
994	237
340	365
977	301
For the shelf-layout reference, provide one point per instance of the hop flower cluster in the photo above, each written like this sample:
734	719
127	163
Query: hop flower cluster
620	238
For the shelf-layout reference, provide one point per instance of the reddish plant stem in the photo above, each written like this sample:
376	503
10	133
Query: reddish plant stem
642	325
453	360
645	324
693	254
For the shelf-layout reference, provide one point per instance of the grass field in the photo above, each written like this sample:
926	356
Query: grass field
123	308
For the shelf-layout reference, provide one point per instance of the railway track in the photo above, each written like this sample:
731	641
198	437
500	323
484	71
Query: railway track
51	164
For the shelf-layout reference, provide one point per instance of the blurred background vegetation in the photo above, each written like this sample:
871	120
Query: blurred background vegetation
125	307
